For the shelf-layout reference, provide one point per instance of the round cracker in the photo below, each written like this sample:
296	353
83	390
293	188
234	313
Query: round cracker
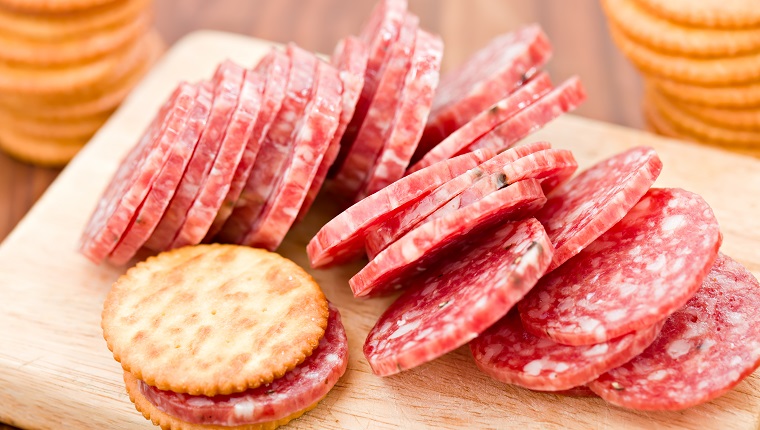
168	422
74	128
663	35
41	151
52	6
742	119
213	319
707	13
739	96
704	71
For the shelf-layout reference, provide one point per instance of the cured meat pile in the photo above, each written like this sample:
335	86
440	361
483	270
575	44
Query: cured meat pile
240	157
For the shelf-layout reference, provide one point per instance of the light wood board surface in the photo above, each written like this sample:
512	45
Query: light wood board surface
56	372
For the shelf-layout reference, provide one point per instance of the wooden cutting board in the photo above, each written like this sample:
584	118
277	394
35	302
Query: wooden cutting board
56	372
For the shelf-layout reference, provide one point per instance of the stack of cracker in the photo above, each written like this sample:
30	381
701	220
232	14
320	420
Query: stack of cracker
701	63
65	66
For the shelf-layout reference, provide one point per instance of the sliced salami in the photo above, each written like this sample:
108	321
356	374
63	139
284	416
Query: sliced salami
565	98
640	271
704	349
486	121
411	115
350	58
509	354
296	390
234	144
135	176
586	206
459	297
149	214
227	80
490	75
377	123
342	239
273	69
275	148
515	164
312	139
421	247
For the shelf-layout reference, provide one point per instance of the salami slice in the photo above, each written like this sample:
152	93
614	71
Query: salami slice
583	208
392	269
273	69
275	148
312	139
219	179
135	176
509	354
459	297
703	351
565	98
149	214
490	75
377	124
516	164
350	58
342	238
411	115
637	273
227	80
298	389
485	121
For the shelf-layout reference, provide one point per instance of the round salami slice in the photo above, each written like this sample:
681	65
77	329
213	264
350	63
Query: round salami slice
149	214
350	58
312	139
298	389
217	183
227	80
583	208
410	117
637	273
273	69
135	176
275	149
419	249
486	121
515	164
704	349
509	354
342	238
490	75
459	297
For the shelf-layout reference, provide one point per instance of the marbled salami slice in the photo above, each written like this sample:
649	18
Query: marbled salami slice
640	271
490	75
416	251
273	69
275	148
312	139
379	119
509	354
704	349
586	206
410	117
486	121
459	297
298	389
342	238
515	164
227	80
217	183
564	98
135	176
149	214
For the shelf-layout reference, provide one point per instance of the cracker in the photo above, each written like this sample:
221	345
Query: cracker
743	119
40	151
168	422
707	13
213	319
73	128
705	71
666	36
52	6
739	96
